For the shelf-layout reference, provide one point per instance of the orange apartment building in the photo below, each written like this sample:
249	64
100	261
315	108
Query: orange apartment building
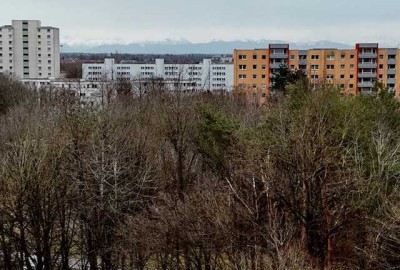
355	70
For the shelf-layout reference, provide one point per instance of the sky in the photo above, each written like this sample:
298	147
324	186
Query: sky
94	22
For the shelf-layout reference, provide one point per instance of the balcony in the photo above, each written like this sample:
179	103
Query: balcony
366	65
391	72
276	65
278	56
367	75
391	61
302	62
391	81
367	55
366	84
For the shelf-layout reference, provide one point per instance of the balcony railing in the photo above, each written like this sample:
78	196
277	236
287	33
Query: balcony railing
278	56
367	75
276	65
366	84
367	55
391	71
391	81
367	65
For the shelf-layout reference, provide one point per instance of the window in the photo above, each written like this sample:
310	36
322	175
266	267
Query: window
292	57
263	67
314	67
381	56
330	67
292	67
380	76
263	57
48	36
314	77
242	57
341	76
254	56
351	85
329	76
351	67
314	57
330	57
341	85
242	67
242	76
254	67
342	67
351	56
39	55
351	76
254	76
263	76
342	56
49	61
380	66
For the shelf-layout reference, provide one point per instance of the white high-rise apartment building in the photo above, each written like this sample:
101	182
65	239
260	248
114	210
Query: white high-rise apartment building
29	50
206	75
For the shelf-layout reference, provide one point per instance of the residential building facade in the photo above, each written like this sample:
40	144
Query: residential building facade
354	70
29	50
207	75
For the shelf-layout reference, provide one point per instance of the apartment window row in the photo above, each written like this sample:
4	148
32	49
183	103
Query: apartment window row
123	67
219	85
219	73
170	68
219	68
92	67
255	57
146	68
219	79
171	73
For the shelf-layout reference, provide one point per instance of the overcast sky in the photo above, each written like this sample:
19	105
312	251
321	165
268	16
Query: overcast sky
124	21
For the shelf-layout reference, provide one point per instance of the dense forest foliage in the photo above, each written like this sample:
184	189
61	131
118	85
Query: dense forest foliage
171	180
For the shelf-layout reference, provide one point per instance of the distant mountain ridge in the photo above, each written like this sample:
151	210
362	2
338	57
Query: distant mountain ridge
186	47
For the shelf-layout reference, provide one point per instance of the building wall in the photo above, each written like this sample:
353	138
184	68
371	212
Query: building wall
28	50
251	72
330	66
